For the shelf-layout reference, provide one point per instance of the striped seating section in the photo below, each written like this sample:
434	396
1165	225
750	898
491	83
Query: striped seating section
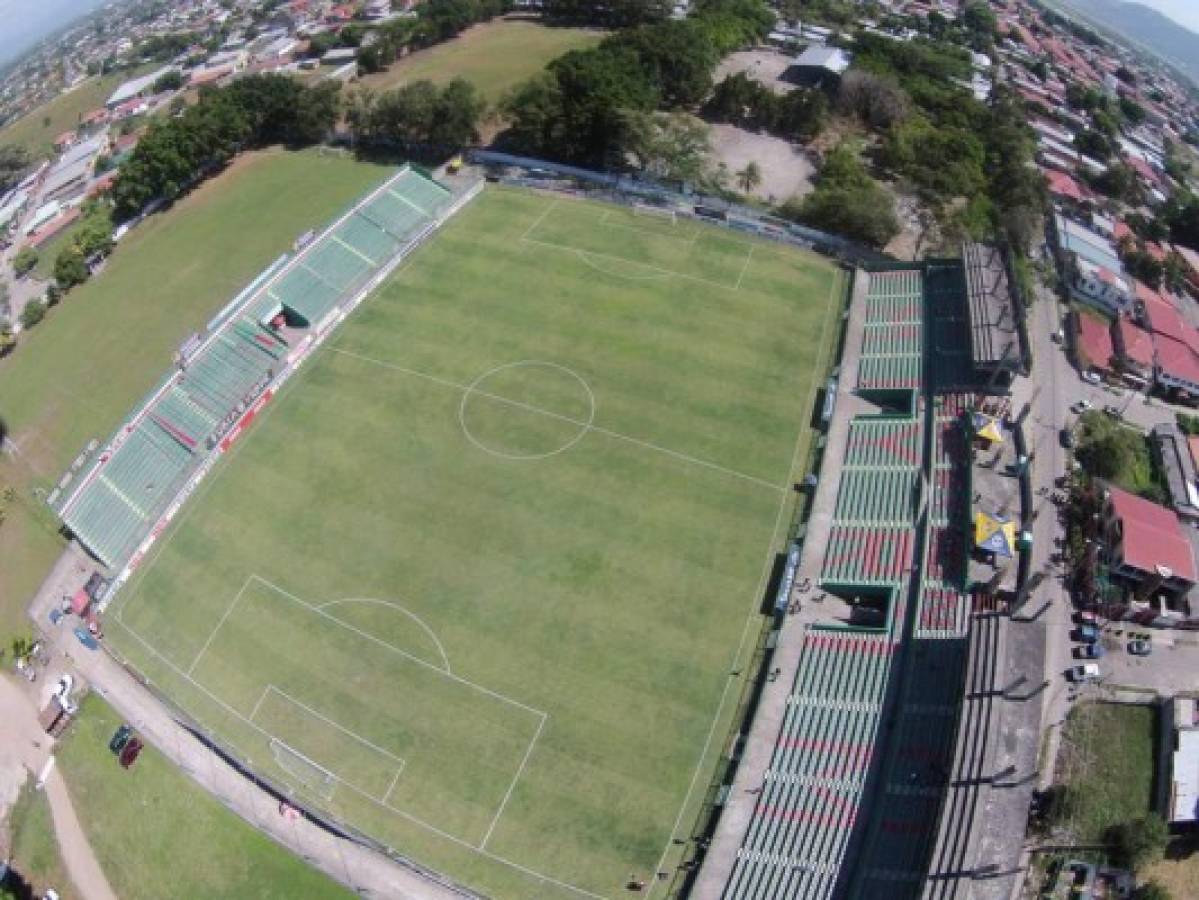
150	459
868	555
886	497
892	353
882	443
136	483
943	606
903	823
812	792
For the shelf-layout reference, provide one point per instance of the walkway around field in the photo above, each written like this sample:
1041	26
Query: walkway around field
31	746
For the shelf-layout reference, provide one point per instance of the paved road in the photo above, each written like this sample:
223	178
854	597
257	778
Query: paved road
28	745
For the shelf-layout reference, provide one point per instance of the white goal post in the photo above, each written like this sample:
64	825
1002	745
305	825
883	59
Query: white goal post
656	212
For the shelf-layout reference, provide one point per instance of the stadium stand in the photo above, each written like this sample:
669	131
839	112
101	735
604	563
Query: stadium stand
114	505
810	798
861	791
892	352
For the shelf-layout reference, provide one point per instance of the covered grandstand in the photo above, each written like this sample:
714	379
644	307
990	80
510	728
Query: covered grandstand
859	770
220	380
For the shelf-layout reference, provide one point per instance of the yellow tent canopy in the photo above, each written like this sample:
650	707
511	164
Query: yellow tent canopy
994	534
987	428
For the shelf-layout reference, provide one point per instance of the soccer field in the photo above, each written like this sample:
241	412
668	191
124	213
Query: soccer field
478	579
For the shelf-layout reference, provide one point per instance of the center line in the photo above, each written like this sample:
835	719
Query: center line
648	445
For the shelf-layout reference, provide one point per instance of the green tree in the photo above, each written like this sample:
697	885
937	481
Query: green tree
33	313
13	161
70	268
668	146
1141	842
24	261
749	177
1104	455
168	81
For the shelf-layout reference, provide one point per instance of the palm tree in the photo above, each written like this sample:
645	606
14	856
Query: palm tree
749	177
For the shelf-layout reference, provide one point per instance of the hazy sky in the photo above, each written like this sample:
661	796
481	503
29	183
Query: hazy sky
1184	11
24	22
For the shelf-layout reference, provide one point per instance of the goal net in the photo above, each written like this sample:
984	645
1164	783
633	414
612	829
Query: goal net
655	212
312	776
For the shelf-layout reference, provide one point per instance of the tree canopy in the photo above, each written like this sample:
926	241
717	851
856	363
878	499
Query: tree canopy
252	112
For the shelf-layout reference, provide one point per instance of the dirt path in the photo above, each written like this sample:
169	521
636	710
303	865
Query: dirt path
27	746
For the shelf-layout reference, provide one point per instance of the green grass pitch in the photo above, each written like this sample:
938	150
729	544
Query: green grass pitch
478	580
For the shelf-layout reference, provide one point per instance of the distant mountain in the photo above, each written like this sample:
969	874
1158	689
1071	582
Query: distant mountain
1139	24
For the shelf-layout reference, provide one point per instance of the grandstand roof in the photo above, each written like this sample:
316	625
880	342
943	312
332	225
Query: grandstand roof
994	340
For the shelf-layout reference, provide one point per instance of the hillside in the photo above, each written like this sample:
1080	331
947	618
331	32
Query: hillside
1146	27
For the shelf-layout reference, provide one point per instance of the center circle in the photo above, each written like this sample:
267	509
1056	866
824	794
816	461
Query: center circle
529	409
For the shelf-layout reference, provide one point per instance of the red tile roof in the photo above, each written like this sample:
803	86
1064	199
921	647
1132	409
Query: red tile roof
53	227
1136	342
1152	535
1193	444
1177	359
1094	341
1063	185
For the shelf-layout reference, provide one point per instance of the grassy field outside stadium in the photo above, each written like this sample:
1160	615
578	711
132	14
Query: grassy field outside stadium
495	57
160	836
478	581
79	372
37	129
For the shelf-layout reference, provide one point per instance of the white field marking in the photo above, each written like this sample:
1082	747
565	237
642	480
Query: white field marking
415	820
511	787
745	265
472	388
585	256
632	262
394	649
330	779
257	706
349	732
541	218
391	787
399	761
217	627
362	256
616	435
755	600
413	616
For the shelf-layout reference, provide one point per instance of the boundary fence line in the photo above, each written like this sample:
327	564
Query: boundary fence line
535	173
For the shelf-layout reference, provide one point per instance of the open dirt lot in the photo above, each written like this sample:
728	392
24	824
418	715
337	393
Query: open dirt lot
786	170
764	65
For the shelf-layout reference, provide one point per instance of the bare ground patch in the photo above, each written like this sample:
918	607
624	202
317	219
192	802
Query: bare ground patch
786	170
764	65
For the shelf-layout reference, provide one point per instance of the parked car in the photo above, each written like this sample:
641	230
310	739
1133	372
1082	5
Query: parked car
1088	651
1092	377
82	635
1114	412
1067	438
1087	634
1086	617
1085	672
1140	648
1081	407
